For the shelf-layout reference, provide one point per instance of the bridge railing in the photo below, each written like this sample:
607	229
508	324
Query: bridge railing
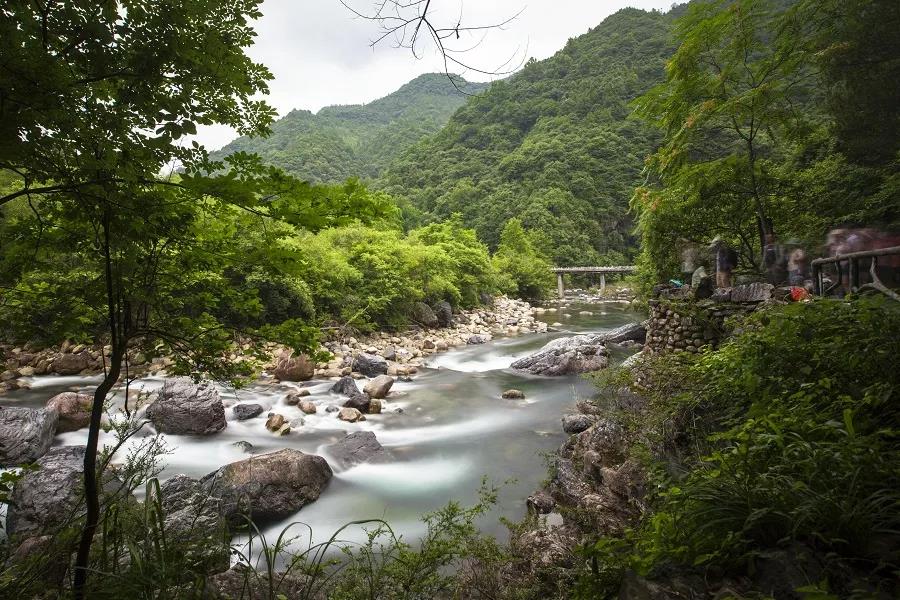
850	275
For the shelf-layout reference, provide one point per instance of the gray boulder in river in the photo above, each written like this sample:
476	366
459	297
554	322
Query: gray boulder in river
25	434
358	447
634	332
268	486
578	353
50	497
184	407
370	365
568	355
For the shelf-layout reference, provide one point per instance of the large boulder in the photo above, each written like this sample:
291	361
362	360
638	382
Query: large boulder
358	447
370	365
269	486
184	407
379	387
25	434
635	332
444	313
70	364
346	386
74	410
567	355
423	315
193	518
47	498
294	368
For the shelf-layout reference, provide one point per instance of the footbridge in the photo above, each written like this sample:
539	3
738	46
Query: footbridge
602	271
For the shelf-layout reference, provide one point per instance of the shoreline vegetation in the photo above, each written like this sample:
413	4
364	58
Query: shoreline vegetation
746	452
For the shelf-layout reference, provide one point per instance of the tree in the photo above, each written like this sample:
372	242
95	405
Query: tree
522	270
95	98
734	88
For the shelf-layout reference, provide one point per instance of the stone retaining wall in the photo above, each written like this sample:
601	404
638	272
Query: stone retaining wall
679	321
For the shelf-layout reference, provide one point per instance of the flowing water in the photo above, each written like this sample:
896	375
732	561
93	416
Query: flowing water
453	431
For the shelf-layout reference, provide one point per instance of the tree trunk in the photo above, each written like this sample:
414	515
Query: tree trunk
118	341
91	487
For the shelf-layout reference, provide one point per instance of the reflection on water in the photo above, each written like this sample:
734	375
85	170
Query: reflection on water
453	431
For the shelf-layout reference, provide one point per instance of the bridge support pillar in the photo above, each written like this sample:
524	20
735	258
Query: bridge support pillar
560	286
602	283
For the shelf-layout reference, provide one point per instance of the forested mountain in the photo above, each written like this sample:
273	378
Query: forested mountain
552	145
340	142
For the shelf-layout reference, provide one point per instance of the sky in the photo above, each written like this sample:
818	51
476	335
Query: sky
321	54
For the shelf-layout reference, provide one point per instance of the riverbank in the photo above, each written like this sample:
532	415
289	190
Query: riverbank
404	351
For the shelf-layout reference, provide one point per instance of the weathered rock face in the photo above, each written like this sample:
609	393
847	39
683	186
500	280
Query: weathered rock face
74	410
307	407
185	408
379	387
423	315
476	339
242	412
577	423
545	547
25	434
605	438
268	486
346	386
193	516
294	368
444	313
275	422
358	447
370	365
513	395
70	364
568	485
568	355
540	503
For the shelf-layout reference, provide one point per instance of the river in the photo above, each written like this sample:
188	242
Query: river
454	431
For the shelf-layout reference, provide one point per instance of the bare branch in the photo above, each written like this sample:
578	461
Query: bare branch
405	21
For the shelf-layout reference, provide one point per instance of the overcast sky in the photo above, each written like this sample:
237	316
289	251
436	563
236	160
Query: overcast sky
321	54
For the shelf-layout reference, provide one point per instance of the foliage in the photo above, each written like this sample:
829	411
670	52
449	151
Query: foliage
340	142
523	271
551	145
796	425
762	131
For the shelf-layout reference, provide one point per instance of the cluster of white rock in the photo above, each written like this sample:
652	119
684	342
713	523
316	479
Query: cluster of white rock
406	351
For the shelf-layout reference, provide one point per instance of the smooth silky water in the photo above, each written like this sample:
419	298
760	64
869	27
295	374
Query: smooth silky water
455	430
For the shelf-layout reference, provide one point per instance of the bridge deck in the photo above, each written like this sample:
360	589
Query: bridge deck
625	269
560	271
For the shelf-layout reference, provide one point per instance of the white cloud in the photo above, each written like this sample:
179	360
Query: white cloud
320	53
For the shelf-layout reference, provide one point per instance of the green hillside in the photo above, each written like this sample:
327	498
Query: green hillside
552	145
340	142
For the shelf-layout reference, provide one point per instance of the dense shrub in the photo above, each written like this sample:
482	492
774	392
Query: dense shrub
794	425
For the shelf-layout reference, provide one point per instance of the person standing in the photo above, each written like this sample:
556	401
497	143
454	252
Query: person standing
726	261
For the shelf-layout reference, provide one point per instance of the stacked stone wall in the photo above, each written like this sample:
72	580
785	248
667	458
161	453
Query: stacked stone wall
679	322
